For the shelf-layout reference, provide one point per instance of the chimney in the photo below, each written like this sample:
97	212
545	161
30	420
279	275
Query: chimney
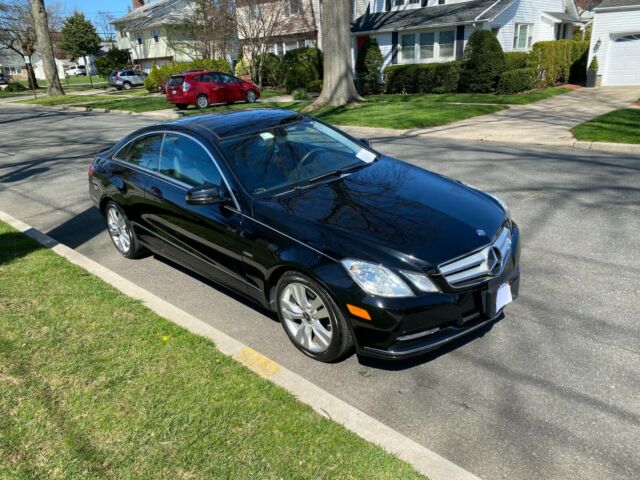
138	4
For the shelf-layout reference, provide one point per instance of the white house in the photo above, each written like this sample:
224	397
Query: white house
615	40
425	31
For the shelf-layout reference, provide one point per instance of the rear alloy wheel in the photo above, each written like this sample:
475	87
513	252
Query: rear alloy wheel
251	96
202	102
311	319
121	233
126	86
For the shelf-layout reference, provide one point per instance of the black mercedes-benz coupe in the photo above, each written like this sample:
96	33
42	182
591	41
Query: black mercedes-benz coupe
350	247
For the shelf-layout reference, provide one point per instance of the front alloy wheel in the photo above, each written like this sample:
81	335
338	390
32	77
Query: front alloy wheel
311	319
251	96
121	233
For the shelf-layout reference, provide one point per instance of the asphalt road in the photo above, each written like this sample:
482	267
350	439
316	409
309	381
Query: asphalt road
551	391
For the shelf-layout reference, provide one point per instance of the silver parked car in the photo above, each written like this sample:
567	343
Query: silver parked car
126	79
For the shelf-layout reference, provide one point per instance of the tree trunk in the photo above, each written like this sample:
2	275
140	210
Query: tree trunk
87	69
31	76
46	48
337	85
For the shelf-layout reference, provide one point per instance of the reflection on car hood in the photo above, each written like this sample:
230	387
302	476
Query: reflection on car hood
390	212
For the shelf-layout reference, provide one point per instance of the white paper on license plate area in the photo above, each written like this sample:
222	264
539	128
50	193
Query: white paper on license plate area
503	297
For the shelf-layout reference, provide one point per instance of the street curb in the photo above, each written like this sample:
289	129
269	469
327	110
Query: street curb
421	458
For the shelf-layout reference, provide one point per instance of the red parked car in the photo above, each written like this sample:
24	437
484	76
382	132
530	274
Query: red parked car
162	86
205	88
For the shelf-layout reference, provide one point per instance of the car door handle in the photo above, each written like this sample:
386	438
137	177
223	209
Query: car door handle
155	191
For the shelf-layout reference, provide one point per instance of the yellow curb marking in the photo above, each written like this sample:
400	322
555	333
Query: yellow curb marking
257	362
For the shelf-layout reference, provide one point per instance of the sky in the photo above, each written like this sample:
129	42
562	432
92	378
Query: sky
92	8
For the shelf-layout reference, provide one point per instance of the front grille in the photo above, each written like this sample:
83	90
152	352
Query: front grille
479	266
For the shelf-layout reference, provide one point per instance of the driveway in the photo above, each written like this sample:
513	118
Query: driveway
548	122
549	392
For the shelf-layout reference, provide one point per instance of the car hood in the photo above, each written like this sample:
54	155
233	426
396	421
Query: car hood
390	212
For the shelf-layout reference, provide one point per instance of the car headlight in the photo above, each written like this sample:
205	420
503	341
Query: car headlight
376	279
420	281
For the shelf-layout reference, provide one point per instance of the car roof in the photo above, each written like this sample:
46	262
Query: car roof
242	122
194	72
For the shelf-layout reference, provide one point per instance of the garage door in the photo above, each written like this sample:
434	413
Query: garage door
623	65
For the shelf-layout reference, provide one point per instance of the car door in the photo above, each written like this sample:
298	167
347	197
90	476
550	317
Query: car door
205	238
216	89
129	173
232	86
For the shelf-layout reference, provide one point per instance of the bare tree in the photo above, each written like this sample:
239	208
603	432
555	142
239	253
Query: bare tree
45	47
259	23
18	33
107	31
337	85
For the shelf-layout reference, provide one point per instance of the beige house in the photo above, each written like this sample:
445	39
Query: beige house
151	33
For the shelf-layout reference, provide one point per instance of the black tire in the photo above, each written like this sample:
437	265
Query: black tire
126	86
251	96
182	106
135	250
202	102
341	341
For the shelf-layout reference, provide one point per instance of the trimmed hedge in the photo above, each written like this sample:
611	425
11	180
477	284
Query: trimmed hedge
559	61
160	74
514	60
272	70
314	86
369	67
422	78
15	87
301	66
482	64
517	80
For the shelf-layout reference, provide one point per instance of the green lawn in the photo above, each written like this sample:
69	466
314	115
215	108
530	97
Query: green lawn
269	92
95	385
388	114
71	81
618	126
387	111
518	99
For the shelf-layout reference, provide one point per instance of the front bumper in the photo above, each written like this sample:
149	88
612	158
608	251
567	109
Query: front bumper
407	327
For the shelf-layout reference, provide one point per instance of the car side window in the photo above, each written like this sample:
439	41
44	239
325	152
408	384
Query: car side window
185	160
144	152
225	78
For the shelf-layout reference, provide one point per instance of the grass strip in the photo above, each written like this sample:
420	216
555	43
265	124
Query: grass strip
95	385
618	126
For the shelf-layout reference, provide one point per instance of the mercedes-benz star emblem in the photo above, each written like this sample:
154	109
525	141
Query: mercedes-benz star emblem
494	260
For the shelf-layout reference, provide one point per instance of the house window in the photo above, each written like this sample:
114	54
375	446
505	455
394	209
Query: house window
446	41
12	70
139	38
413	1
441	2
292	7
427	42
398	3
523	36
156	35
279	49
123	32
408	44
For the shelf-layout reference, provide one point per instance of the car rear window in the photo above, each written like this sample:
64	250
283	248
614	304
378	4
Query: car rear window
176	81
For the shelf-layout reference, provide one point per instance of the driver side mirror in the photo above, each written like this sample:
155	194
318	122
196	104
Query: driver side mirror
367	142
206	194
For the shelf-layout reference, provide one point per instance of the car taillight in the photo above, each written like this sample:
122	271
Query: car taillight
91	170
117	76
185	86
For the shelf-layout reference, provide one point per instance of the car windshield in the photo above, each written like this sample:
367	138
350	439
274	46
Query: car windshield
295	155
